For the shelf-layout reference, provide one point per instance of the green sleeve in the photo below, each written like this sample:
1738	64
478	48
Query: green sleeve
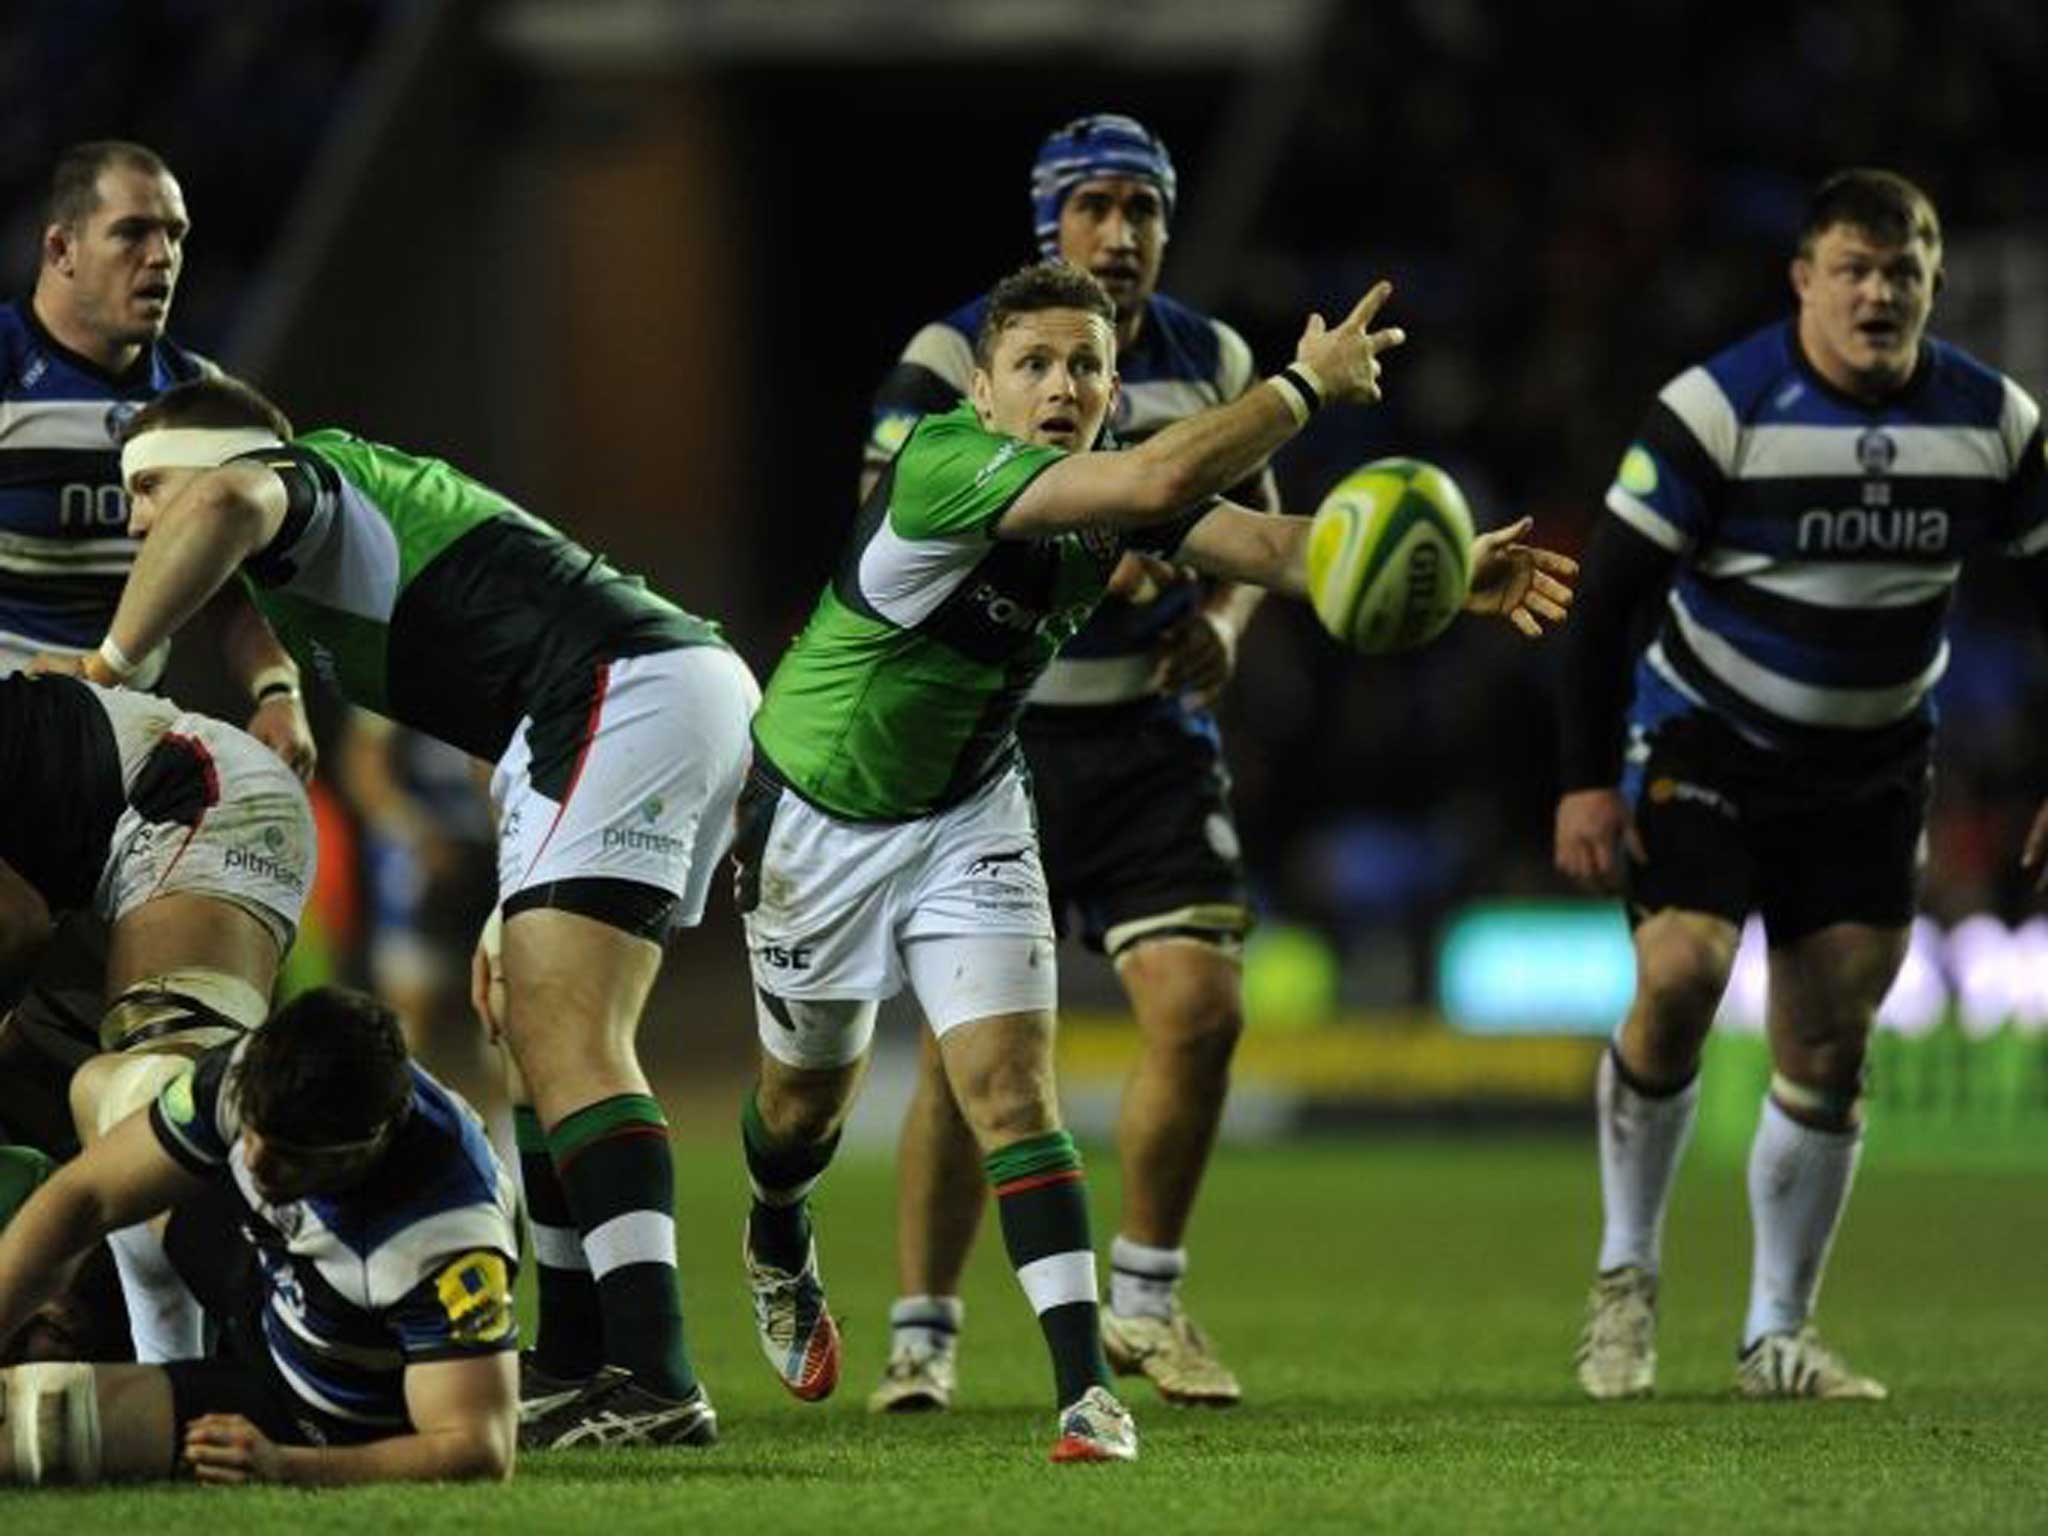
955	477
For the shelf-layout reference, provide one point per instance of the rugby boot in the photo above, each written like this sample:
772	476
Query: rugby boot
1617	1355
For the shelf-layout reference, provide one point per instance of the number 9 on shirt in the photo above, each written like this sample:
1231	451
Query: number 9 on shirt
1390	555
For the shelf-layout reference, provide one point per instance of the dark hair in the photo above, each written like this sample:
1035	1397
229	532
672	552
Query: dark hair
1042	285
329	1068
1880	203
75	182
209	402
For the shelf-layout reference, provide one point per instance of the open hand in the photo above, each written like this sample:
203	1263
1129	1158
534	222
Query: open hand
1525	585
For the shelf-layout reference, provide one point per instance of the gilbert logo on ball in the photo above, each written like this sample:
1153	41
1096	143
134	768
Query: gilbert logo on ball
1390	555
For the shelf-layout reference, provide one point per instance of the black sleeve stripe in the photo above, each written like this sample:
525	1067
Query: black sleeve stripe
1621	583
1665	434
177	1148
271	565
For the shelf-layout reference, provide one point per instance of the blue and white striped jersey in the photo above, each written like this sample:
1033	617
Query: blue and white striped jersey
415	1264
1183	362
1819	538
64	545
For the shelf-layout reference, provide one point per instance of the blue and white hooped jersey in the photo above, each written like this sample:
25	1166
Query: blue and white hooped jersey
414	1265
64	545
1820	538
1183	362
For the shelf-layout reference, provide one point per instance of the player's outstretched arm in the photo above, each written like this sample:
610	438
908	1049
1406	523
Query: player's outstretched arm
465	1416
1205	454
123	1178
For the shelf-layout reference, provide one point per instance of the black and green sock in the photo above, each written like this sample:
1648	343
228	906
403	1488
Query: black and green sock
1042	1197
783	1174
619	1175
570	1342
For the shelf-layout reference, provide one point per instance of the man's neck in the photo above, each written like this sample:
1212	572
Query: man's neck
1129	325
1869	389
113	356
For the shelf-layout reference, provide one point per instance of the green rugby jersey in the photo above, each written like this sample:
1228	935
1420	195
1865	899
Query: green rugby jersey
901	695
417	592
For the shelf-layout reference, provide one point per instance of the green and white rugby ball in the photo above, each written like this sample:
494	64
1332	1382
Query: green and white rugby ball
1390	555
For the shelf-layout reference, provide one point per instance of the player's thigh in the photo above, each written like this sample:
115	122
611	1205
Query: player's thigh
1845	850
211	814
630	787
1826	985
574	986
1136	827
1186	989
1690	812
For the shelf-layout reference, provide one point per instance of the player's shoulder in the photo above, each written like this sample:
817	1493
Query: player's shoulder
1182	341
180	364
1962	389
1750	373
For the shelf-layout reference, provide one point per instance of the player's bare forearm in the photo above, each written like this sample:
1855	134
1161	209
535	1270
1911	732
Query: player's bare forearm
195	547
25	927
1256	549
471	1453
120	1179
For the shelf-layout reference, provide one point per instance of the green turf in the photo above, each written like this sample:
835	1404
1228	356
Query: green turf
1403	1315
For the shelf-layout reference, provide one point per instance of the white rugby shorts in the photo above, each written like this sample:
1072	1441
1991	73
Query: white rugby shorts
212	812
955	904
650	799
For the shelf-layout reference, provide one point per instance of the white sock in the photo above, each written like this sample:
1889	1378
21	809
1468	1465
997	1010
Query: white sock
926	1324
165	1320
1641	1141
1799	1182
1142	1279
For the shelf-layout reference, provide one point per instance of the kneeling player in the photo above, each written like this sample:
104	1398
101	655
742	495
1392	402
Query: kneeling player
345	1221
195	843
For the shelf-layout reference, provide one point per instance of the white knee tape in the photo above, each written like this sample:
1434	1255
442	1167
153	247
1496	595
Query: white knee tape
813	1034
51	1416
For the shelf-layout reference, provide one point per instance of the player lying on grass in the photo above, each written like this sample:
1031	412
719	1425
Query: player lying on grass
345	1222
887	835
196	845
618	724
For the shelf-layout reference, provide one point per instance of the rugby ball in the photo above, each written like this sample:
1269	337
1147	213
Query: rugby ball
1390	555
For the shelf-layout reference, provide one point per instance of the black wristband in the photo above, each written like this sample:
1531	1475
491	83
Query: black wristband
1310	395
272	689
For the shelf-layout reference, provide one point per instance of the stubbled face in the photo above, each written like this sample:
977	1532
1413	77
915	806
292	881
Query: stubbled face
1114	227
1863	307
1051	380
118	267
150	491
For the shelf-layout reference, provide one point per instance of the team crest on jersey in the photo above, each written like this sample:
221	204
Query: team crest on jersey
1877	450
119	414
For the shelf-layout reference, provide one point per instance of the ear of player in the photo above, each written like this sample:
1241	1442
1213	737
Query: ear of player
1392	559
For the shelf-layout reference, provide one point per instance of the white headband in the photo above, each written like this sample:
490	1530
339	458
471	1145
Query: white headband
191	448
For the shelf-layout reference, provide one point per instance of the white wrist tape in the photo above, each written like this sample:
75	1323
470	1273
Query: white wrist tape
116	660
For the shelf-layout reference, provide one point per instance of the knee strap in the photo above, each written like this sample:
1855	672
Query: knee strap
194	1008
1836	1105
51	1416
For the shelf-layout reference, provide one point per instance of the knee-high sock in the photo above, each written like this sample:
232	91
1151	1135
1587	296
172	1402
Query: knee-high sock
618	1172
570	1343
163	1316
1042	1197
783	1174
1799	1182
1643	1132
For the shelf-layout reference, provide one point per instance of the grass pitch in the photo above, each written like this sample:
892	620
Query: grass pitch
1402	1314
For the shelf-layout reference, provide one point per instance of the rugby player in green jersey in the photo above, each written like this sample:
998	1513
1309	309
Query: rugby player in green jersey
886	835
618	727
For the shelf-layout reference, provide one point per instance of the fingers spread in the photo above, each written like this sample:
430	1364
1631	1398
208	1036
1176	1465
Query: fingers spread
1361	315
